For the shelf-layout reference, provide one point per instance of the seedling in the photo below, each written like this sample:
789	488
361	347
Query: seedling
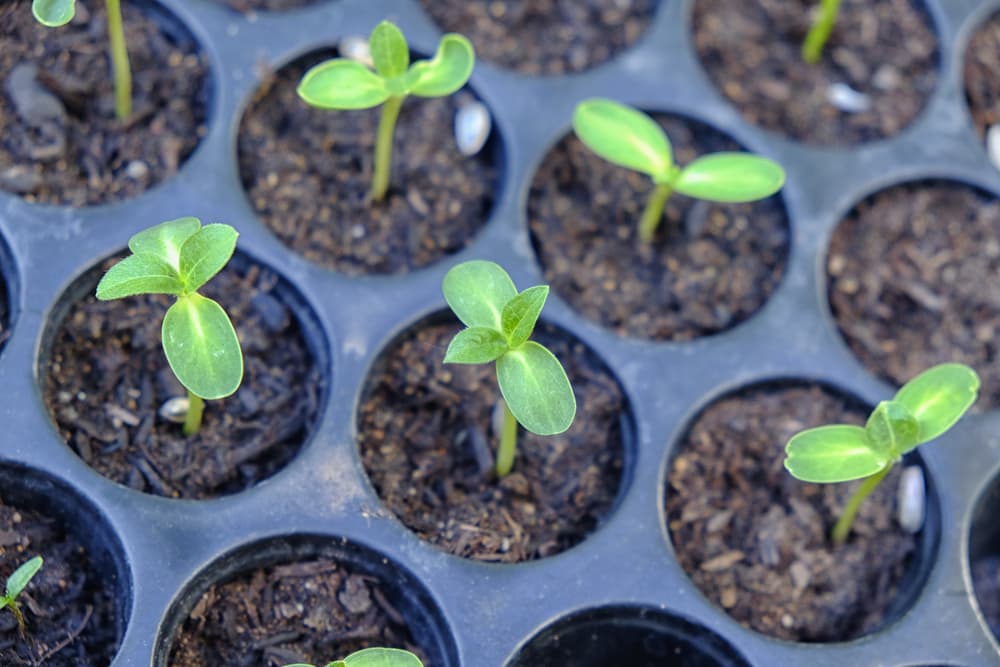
536	392
178	257
629	138
812	46
16	583
924	408
55	13
374	657
341	83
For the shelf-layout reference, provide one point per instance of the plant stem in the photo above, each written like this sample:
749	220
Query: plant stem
843	526
383	146
508	442
653	212
119	61
812	46
192	421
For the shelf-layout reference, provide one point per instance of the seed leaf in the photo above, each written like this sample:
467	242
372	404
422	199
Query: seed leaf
536	389
17	581
475	345
139	274
938	397
202	347
389	50
520	314
478	291
448	71
834	453
342	84
624	136
53	13
891	429
382	657
165	239
205	253
730	177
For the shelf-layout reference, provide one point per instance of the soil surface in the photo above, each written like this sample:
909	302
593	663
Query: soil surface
912	275
311	611
755	540
982	72
986	582
752	51
545	36
62	143
107	378
709	267
308	175
428	446
69	608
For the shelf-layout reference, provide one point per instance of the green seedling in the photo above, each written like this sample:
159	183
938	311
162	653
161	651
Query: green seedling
812	46
536	392
924	408
178	257
16	583
55	13
347	84
629	138
374	657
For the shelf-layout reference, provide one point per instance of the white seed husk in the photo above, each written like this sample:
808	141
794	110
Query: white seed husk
472	127
847	99
355	47
911	499
175	409
993	144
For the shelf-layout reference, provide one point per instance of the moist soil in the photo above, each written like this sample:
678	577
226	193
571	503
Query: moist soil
909	270
545	36
428	446
755	540
69	609
62	143
107	377
308	175
982	71
884	49
709	267
311	611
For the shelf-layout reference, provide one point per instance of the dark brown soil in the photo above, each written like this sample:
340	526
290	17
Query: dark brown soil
885	49
911	271
308	175
71	149
545	36
755	540
427	445
313	611
107	376
982	74
986	581
69	610
710	266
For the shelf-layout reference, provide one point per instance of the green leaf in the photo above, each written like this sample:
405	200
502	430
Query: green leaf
165	239
520	314
302	664
832	454
477	291
536	389
448	71
730	177
891	429
382	657
475	345
624	136
205	253
342	84
202	347
139	274
17	581
939	397
389	50
53	13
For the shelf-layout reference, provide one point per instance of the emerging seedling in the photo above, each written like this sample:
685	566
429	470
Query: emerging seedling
374	657
55	13
178	257
535	389
925	407
347	84
16	583
629	138
812	46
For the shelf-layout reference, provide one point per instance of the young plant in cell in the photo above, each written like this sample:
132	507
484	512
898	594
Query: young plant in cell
178	257
341	83
535	390
374	657
55	13
924	408
16	583
629	138
819	32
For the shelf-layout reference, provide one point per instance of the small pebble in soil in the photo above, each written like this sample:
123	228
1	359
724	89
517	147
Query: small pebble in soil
472	127
847	99
912	500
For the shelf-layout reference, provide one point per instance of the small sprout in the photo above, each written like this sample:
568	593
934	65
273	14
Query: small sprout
924	408
178	257
536	392
374	657
343	83
629	138
826	17
16	583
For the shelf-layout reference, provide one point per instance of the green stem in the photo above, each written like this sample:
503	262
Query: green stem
119	61
812	46
383	146
653	212
196	406
508	442
843	526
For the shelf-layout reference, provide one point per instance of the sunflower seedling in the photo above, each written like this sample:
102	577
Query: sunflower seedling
178	257
374	657
629	138
341	83
16	583
535	390
924	408
819	32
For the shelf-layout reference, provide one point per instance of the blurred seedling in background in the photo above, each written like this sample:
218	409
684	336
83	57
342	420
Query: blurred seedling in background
16	583
374	657
819	33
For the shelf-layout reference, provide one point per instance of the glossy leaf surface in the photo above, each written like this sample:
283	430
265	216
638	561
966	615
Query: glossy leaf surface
536	389
205	253
624	136
836	453
389	50
53	13
475	345
446	72
730	177
938	398
521	313
139	274
891	429
477	292
382	657
342	84
201	347
165	239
